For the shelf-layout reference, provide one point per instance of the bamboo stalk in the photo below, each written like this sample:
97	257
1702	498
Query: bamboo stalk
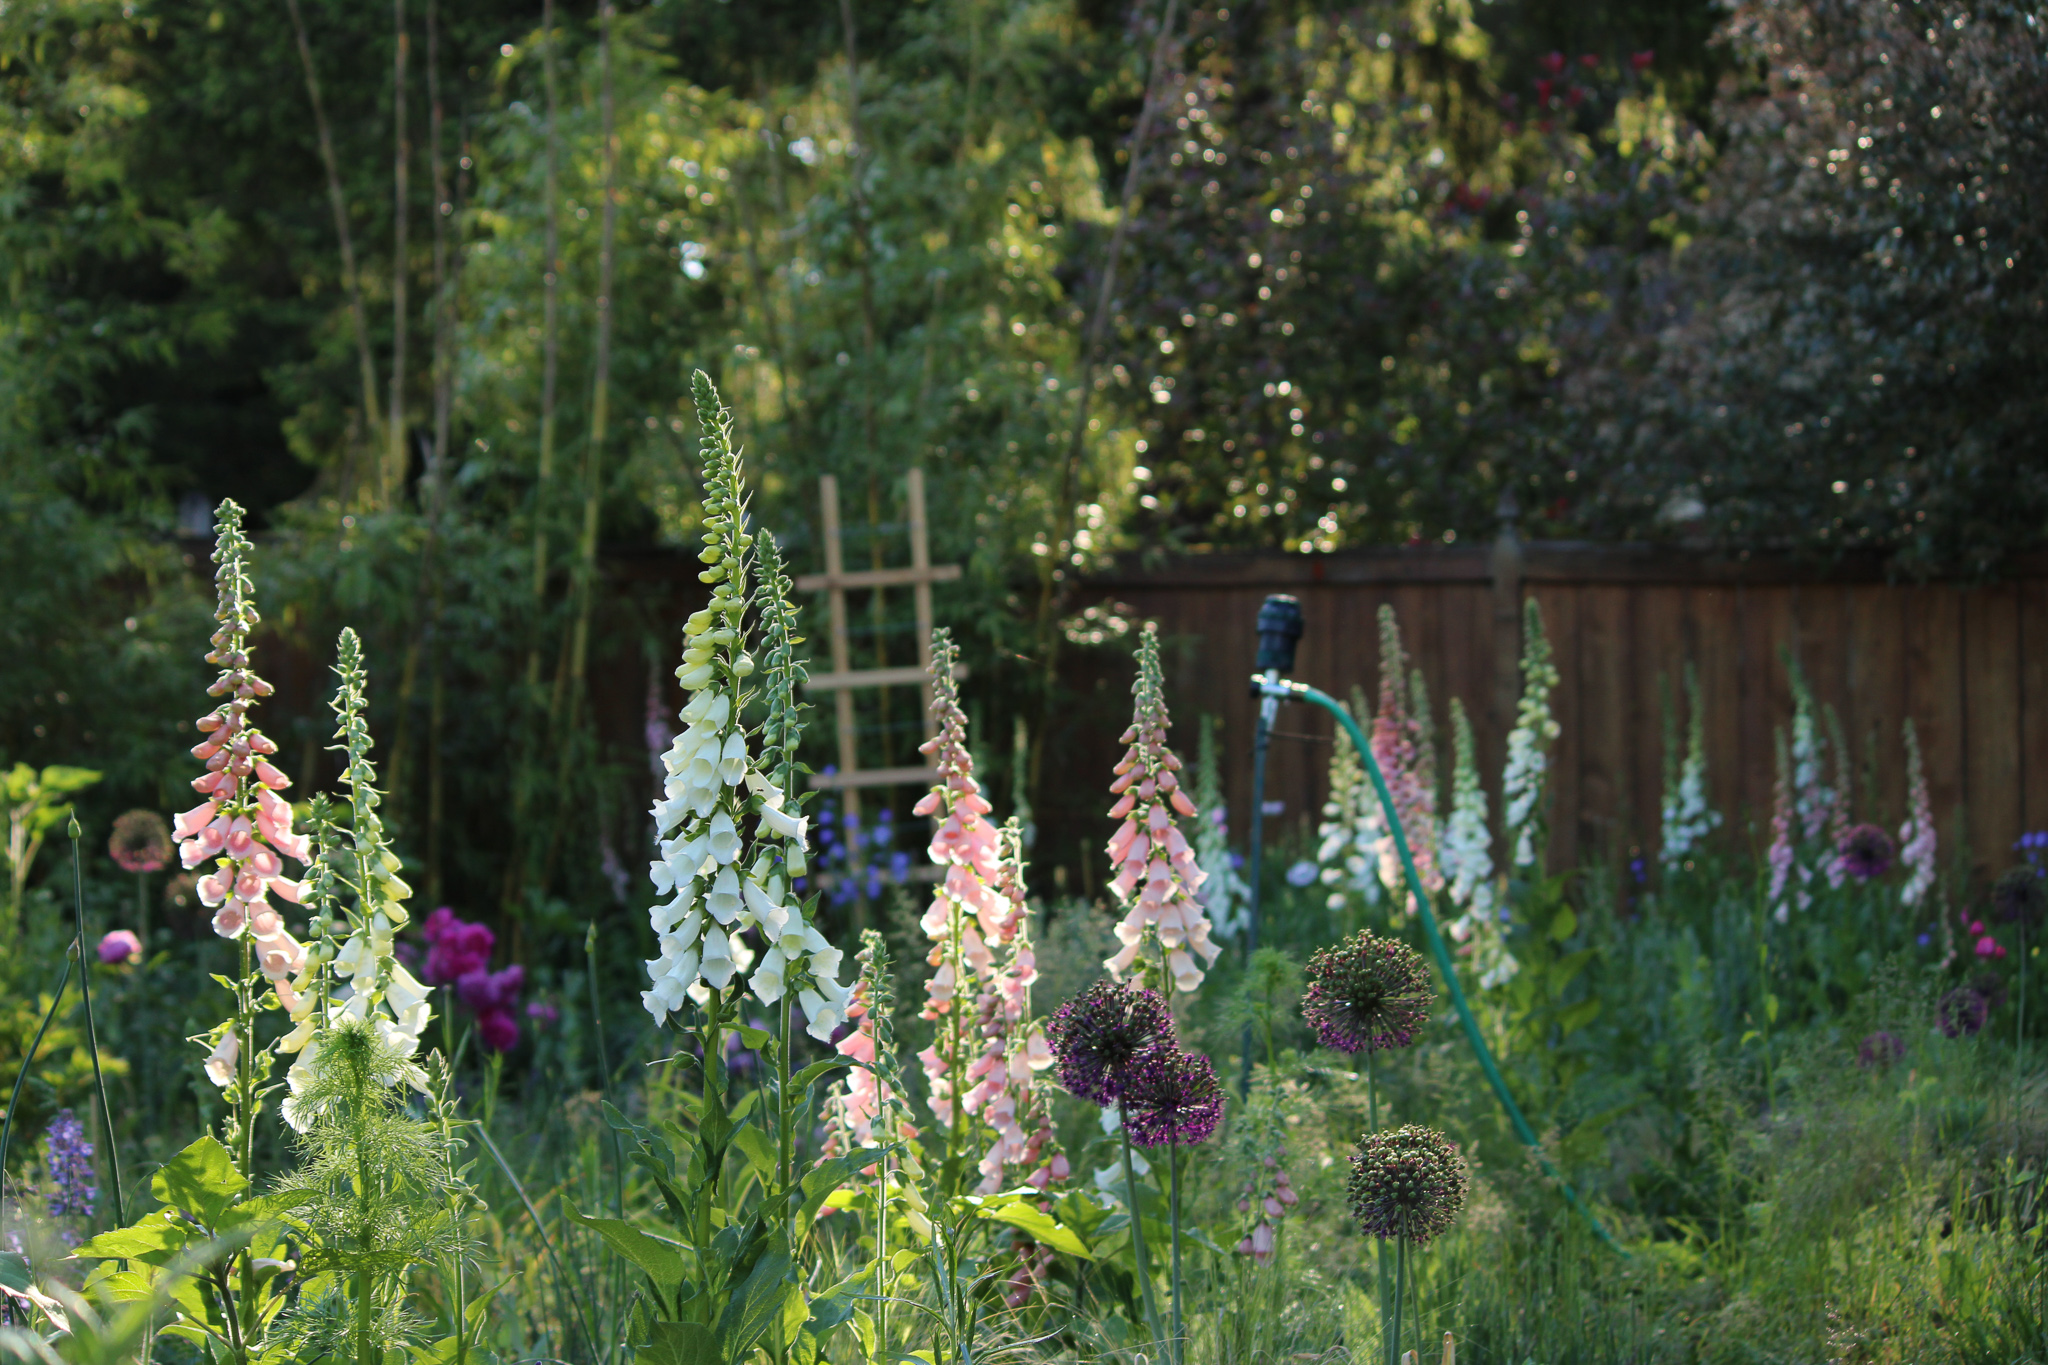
1048	598
550	332
401	162
351	282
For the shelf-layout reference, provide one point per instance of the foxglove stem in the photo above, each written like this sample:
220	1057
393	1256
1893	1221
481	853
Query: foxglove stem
1173	1204
92	1036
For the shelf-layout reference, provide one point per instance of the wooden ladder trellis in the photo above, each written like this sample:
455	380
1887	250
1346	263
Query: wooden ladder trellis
844	679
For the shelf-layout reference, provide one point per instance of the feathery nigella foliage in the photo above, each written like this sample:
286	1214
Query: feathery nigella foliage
966	912
1366	994
353	973
1409	1183
1098	1035
717	804
1156	869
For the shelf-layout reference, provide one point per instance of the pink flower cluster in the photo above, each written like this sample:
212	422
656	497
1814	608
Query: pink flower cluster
1271	1196
852	1114
459	954
243	825
1155	863
1405	760
1013	1046
966	912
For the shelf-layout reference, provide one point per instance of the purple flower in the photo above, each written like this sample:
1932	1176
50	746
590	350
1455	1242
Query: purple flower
542	1012
1880	1049
120	945
1408	1183
71	1170
494	996
1864	852
1171	1096
1097	1035
456	948
1366	994
1961	1013
2020	897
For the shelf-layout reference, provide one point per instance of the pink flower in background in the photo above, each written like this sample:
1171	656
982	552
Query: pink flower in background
494	996
456	948
543	1013
120	945
140	842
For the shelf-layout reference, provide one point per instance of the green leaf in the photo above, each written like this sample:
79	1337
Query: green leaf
755	1146
810	1074
14	1271
1081	1213
1571	1020
157	1240
827	1176
1564	924
256	1212
680	1343
755	1307
755	1038
1041	1226
201	1180
662	1260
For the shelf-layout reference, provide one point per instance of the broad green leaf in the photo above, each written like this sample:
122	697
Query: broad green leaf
754	1306
201	1180
755	1038
1578	1016
827	1176
1564	924
680	1343
755	1146
14	1271
157	1240
256	1212
1041	1226
1081	1213
662	1260
810	1074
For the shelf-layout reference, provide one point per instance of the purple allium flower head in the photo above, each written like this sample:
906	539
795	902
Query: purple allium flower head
2020	896
1366	994
1880	1049
1096	1035
1864	852
1961	1012
1407	1183
71	1170
141	842
1171	1096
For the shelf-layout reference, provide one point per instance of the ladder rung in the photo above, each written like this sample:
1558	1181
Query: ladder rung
878	578
904	676
875	777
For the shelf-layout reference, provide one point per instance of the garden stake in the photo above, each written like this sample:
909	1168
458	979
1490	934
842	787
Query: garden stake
92	1037
1281	689
1279	627
14	1100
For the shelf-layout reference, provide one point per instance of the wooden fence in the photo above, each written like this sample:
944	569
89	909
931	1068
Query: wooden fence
1968	664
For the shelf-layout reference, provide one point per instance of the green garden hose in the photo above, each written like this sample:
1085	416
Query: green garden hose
1294	691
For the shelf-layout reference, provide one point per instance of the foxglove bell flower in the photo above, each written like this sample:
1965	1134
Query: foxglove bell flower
966	913
1688	819
1916	836
1409	1183
1225	896
1013	1048
1467	856
1402	746
243	829
1521	787
1353	827
352	970
1157	875
714	792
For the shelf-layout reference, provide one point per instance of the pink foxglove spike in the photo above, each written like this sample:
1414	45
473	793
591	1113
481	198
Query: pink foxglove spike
1154	861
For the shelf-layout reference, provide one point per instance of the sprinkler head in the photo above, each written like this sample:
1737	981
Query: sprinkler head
1279	632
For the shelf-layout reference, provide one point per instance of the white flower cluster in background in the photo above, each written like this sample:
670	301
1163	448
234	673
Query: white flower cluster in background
1354	827
1688	819
1528	743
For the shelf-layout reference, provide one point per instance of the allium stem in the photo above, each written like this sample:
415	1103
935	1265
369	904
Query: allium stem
92	1037
1173	1203
1144	1263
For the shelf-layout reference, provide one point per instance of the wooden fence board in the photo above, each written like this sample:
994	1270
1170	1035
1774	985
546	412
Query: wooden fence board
1875	699
1991	708
1560	609
2032	645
